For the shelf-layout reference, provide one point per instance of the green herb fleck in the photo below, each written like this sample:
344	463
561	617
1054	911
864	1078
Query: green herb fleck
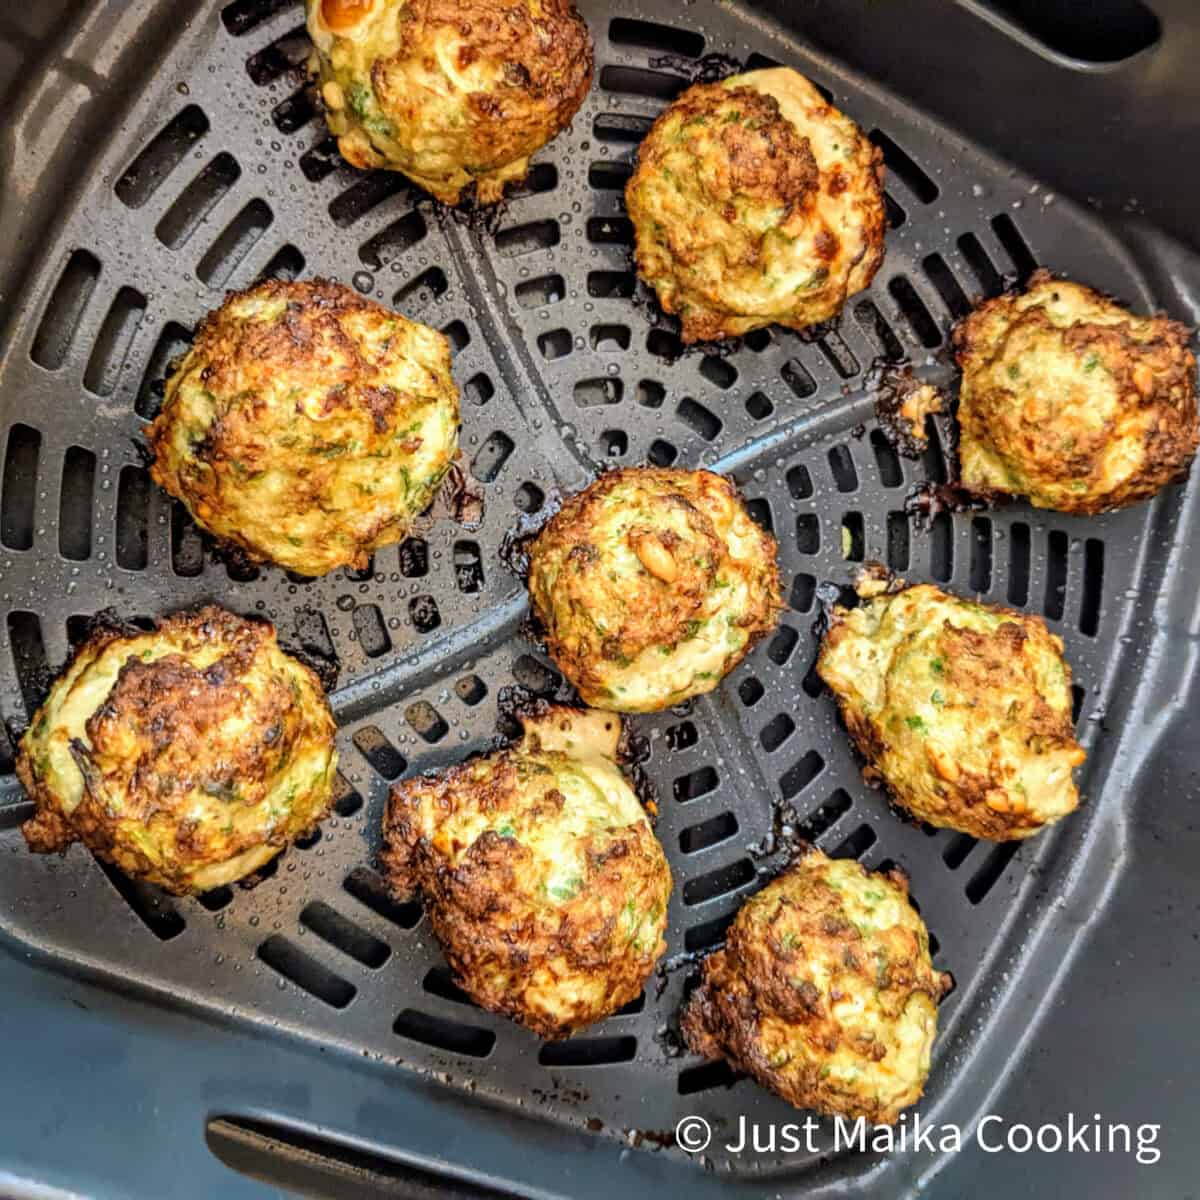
916	723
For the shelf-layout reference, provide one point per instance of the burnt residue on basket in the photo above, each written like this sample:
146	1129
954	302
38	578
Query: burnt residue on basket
902	404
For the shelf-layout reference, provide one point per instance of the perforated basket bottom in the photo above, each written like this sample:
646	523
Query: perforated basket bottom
223	174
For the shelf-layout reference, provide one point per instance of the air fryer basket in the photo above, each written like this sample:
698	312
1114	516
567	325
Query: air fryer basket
219	172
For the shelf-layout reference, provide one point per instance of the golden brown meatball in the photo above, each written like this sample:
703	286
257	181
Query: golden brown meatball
307	425
962	709
652	585
188	756
1072	400
824	992
451	92
754	201
544	881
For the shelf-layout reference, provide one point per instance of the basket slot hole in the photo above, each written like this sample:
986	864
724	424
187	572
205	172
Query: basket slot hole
760	62
609	176
1093	587
708	833
590	393
803	593
162	154
150	906
312	635
468	567
942	278
707	1077
1015	246
913	309
635	1006
650	394
492	455
990	873
874	324
346	800
760	513
414	558
29	659
439	982
981	555
308	840
197	200
856	844
893	211
306	973
424	614
238	238
216	898
1057	545
709	933
285	54
614	443
695	784
758	406
342	933
840	356
295	112
716	883
825	816
698	419
841	466
799	483
941	547
750	691
854	537
470	689
605	285
886	460
422	291
75	504
1105	32
365	195
372	633
664	344
18	489
957	850
384	758
529	498
897	541
243	15
1078	693
528	238
588	1052
133	513
798	776
535	676
798	379
905	168
65	310
625	128
811	683
370	890
682	736
609	338
776	731
610	231
780	648
173	342
982	267
718	371
934	458
444	1035
541	292
541	178
321	160
287	263
637	81
808	533
647	35
459	337
426	721
396	239
555	343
